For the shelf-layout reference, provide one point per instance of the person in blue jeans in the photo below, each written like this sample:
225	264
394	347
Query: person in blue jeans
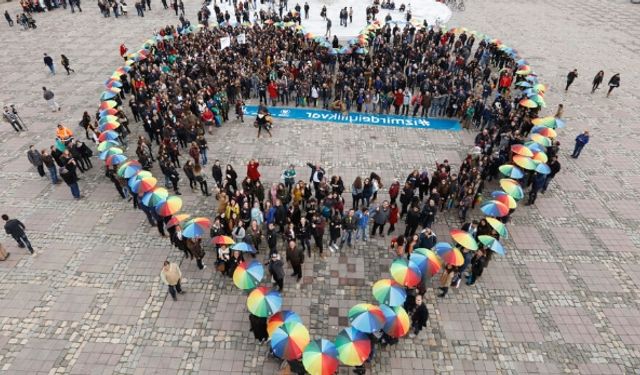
581	141
363	224
71	180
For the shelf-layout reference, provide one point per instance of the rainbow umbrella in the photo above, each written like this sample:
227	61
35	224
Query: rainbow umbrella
196	227
264	302
279	318
432	262
540	139
155	196
494	208
450	255
528	103
521	150
549	122
366	317
405	272
115	160
108	118
523	70
112	83
540	157
142	185
248	275
539	100
397	321
498	226
353	346
512	187
129	168
320	357
106	95
109	135
544	131
176	219
534	147
108	112
540	87
222	240
105	145
542	168
492	244
244	247
524	162
524	84
289	340
389	292
110	151
505	198
511	171
107	104
108	126
169	207
465	239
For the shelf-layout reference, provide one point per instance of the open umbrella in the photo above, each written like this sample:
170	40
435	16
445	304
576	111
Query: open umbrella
524	162
154	196
524	84
540	157
108	118
450	255
549	122
129	168
521	150
544	131
222	240
512	187
142	185
504	198
107	104
105	145
494	208
106	95
110	135
405	272
279	318
170	206
366	317
498	226
492	244
248	275
110	151
511	171
289	340
264	302
528	103
543	168
176	219
196	227
542	140
534	147
353	346
108	126
244	247
397	322
431	263
115	160
464	238
320	357
388	292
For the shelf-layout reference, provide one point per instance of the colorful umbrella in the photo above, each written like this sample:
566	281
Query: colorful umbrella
405	272
539	100
450	255
540	139
110	151
521	150
320	357
115	160
540	157
432	262
104	146
248	275
542	168
108	112
528	103
523	70
106	95
279	318
511	171
512	187
110	135
397	321
142	185
524	162
108	126
176	219
169	207
366	317
498	226
222	240
129	168
353	346
464	238
264	302
108	104
534	147
289	340
389	292
155	196
544	131
244	247
494	208
196	227
504	198
524	84
492	244
549	121
108	118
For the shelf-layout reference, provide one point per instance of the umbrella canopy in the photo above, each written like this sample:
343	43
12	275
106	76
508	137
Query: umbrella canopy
366	317
541	140
289	340
107	126
397	322
388	292
142	185
504	198
129	168
111	135
511	171
544	131
110	151
106	95
494	208
405	272
279	318
154	196
524	161
244	247
540	157
115	160
264	302
169	207
498	226
428	261
465	239
248	275
353	346
196	227
492	244
320	357
512	187
542	168
107	104
105	145
549	122
528	103
108	118
222	240
534	147
176	219
521	150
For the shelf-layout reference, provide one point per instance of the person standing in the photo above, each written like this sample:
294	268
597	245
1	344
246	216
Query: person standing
295	256
419	317
597	80
64	60
12	119
328	33
71	179
276	269
538	184
48	61
15	228
49	162
381	215
170	276
36	160
613	83
554	165
8	18
48	95
259	328
445	280
349	224
477	266
570	78
306	10
581	141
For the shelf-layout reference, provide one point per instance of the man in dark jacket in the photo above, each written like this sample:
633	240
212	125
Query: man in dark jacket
419	317
538	182
427	239
581	141
15	228
554	165
272	239
296	258
380	218
36	159
70	179
478	262
317	174
276	269
349	224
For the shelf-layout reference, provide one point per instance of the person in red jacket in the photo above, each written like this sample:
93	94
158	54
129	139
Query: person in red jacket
252	170
123	51
398	98
273	92
505	82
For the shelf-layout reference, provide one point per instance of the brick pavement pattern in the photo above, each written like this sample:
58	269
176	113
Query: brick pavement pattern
563	300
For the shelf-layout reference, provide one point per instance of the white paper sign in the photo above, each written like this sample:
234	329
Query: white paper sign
242	38
225	42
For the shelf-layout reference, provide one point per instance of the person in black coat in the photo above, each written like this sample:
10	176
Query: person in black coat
84	154
276	269
478	262
216	173
15	229
259	328
419	317
296	258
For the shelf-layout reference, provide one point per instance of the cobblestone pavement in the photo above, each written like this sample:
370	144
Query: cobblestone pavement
564	299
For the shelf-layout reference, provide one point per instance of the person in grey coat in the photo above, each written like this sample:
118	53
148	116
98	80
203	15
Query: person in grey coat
36	159
380	218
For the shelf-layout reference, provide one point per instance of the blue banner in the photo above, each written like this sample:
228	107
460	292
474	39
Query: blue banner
357	118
